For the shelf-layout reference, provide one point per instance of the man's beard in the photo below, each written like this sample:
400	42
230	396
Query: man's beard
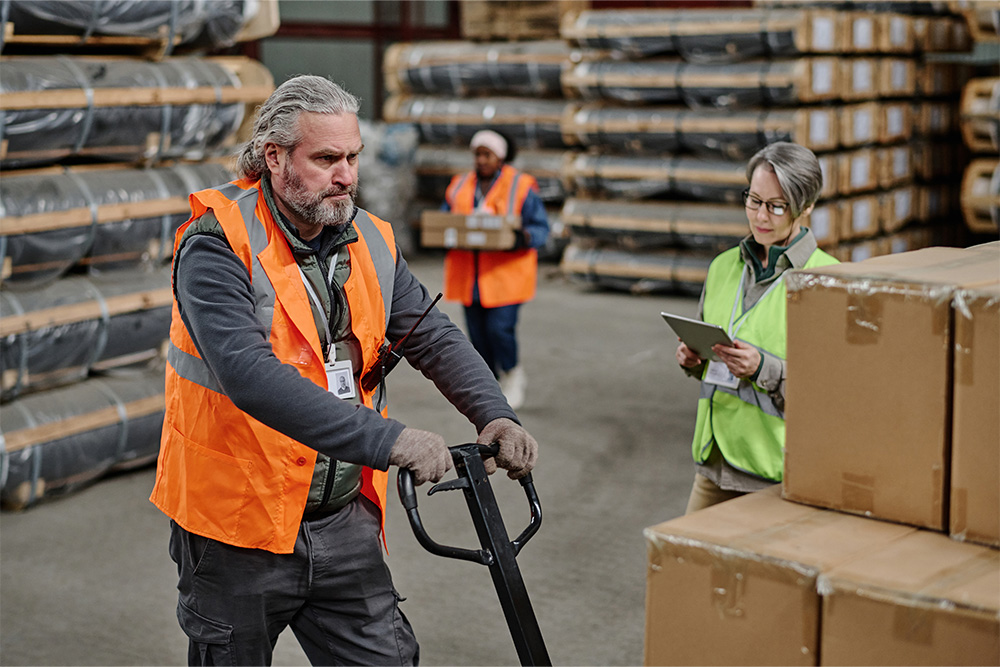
315	208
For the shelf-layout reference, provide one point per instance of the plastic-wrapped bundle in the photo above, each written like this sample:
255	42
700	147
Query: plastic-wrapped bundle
388	183
708	35
637	225
58	334
636	272
59	440
730	134
761	83
638	177
531	123
435	166
466	68
213	24
55	219
54	107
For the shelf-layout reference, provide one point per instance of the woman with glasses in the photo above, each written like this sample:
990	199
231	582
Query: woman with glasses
740	429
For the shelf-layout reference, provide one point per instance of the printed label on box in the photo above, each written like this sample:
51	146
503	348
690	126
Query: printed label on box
864	32
861	215
861	76
819	127
863	125
822	33
822	76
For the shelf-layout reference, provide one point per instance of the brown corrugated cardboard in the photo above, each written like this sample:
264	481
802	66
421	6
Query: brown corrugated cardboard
869	389
477	231
736	583
924	599
975	460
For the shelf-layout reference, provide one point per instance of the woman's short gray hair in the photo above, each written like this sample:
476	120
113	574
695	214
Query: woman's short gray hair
277	119
798	172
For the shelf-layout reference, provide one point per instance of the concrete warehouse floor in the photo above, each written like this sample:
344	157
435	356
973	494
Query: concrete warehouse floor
86	579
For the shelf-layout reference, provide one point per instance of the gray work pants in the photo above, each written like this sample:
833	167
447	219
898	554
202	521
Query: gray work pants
335	592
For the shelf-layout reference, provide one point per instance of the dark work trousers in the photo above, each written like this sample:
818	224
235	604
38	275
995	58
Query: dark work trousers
334	591
493	334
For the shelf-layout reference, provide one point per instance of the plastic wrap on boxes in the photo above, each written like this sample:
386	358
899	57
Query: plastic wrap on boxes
55	107
635	272
56	441
213	24
55	219
58	334
707	35
640	177
466	68
644	225
531	123
435	166
765	83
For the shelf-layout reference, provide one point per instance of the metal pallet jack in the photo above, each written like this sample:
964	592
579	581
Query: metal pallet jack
498	552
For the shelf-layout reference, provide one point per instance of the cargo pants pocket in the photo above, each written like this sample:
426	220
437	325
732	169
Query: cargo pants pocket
210	642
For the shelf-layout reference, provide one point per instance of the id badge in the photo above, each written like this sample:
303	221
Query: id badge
718	373
340	378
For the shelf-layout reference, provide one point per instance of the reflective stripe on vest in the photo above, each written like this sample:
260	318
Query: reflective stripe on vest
745	423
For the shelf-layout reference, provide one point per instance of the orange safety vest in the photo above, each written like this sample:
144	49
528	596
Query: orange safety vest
505	277
221	473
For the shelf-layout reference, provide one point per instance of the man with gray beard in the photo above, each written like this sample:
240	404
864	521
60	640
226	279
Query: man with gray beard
273	461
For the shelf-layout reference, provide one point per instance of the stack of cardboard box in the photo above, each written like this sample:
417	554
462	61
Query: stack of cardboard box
888	554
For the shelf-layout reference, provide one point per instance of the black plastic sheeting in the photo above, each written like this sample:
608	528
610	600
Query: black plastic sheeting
47	355
41	257
38	136
673	177
466	68
636	272
765	83
63	463
531	123
213	24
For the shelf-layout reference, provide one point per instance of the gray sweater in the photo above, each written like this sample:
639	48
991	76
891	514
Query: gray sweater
216	303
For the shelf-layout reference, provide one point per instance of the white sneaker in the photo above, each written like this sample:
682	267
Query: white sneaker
513	384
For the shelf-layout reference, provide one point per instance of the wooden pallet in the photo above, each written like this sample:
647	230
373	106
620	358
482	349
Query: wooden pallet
486	20
979	115
980	196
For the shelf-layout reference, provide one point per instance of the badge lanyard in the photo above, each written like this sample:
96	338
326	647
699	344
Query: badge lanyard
339	374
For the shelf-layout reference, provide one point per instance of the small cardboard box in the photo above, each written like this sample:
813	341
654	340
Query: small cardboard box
476	231
869	391
924	599
735	584
975	440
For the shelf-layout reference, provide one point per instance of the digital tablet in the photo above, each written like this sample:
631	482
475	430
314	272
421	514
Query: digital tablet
697	335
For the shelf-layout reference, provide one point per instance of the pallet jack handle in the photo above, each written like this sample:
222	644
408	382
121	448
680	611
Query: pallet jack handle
497	552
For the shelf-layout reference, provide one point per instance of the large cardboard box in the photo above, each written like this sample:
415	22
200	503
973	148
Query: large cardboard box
869	389
735	584
477	231
924	599
975	441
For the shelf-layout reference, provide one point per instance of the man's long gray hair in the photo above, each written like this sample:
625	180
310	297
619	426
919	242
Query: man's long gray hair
798	172
277	120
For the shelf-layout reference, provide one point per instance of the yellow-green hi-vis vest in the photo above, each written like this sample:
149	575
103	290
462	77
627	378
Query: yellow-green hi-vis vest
744	423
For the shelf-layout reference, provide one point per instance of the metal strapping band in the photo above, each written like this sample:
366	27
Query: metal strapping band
88	195
95	15
166	218
102	332
4	13
22	345
385	267
512	196
172	27
122	416
88	120
166	110
34	452
192	369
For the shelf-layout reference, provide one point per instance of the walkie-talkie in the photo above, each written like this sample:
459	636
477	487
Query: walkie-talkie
390	355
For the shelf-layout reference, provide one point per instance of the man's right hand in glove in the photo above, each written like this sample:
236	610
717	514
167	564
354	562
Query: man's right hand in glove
424	453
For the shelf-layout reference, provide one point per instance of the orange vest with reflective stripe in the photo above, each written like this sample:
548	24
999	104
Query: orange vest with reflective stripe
221	473
505	277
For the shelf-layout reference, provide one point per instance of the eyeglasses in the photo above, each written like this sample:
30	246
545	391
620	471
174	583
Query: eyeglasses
753	203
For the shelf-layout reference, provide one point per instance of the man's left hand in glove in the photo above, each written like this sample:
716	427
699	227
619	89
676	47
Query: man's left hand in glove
518	450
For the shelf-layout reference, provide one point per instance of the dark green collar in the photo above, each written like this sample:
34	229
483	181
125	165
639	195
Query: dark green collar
773	254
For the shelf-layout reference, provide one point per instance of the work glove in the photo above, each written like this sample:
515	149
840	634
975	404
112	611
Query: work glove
424	453
518	450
